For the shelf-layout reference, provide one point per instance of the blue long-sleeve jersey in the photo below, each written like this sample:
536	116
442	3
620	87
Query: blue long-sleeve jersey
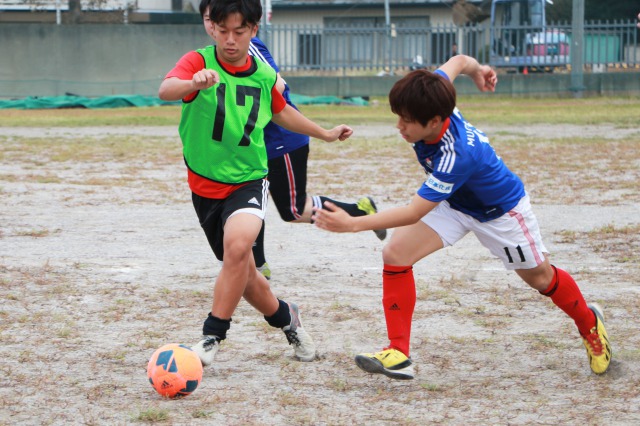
279	141
464	169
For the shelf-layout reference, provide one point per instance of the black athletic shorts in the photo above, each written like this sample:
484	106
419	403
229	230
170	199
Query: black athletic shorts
213	213
288	183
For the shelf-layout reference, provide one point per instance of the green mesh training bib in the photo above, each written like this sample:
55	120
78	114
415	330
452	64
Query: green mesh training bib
222	128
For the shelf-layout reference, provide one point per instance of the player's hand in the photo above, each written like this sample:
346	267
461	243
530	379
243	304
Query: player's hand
204	79
332	218
485	79
341	133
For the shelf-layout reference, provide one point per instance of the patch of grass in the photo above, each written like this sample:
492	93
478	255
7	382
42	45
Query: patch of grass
567	237
611	231
35	233
117	310
452	282
202	414
552	169
431	387
339	385
618	244
485	109
116	355
121	148
271	356
492	323
342	312
144	116
152	415
543	343
26	356
286	398
66	332
632	355
515	111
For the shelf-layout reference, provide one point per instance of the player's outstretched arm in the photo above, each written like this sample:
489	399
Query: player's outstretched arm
174	88
293	120
332	218
483	76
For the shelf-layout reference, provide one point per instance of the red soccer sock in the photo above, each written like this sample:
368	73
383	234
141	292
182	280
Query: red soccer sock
566	295
398	301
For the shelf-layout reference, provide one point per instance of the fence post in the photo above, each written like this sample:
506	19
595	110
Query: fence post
387	24
577	50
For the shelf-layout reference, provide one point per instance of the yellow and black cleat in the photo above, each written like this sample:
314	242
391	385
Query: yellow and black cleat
597	343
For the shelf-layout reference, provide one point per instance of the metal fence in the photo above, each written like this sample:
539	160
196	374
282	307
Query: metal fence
367	50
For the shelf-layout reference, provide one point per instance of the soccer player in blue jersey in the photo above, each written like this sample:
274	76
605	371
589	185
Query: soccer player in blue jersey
288	153
468	189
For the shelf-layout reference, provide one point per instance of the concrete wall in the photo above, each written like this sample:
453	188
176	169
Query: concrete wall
514	85
91	60
98	60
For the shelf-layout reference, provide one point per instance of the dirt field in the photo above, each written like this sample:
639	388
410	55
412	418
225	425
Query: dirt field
102	261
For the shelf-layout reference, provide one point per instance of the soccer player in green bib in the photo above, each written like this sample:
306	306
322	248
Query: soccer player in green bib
228	98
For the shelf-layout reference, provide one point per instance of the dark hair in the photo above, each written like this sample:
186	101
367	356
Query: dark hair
250	10
203	7
422	95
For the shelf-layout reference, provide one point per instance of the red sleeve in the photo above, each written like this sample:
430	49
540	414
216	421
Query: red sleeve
277	101
187	66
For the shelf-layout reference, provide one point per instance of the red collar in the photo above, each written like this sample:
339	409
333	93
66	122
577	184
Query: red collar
445	126
235	70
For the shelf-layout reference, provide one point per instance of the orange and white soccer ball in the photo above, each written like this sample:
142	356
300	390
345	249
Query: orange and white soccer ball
174	370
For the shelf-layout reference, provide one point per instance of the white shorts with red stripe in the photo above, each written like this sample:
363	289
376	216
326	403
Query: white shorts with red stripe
513	237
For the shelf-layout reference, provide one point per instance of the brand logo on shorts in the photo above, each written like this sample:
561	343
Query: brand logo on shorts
254	201
438	185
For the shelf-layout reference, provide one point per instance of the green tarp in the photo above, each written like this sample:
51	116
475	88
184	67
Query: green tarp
116	101
120	101
318	100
